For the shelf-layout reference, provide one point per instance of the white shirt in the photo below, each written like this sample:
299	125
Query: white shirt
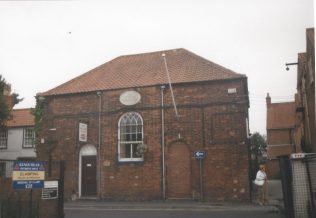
261	175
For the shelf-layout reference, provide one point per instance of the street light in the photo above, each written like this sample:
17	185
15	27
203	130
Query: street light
289	64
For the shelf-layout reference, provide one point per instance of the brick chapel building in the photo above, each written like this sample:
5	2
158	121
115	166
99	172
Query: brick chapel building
125	134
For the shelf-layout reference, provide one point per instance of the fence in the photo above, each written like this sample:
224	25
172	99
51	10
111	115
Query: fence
298	174
29	203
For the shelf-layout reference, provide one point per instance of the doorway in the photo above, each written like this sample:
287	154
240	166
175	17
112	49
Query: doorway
89	176
88	171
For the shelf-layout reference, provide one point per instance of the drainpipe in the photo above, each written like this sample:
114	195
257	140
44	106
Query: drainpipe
306	112
163	142
99	94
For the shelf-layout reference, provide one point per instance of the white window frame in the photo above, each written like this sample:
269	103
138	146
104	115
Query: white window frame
27	138
131	159
4	139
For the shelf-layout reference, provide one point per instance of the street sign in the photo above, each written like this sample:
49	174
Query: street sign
199	154
28	184
28	175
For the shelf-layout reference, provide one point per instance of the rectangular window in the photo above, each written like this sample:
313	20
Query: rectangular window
6	168
3	139
28	138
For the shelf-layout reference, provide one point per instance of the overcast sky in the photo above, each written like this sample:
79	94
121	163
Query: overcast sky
46	43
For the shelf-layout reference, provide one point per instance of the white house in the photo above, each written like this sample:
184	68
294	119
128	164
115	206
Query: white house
17	142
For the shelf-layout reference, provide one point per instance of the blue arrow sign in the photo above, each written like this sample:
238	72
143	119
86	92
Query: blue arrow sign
199	154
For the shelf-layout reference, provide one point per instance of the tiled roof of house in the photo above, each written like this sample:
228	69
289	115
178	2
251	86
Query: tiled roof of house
21	117
145	69
281	115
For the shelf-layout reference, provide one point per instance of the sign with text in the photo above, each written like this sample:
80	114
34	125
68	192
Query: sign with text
28	175
83	132
50	190
28	184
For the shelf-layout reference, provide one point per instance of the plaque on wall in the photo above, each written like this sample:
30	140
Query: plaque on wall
130	98
83	132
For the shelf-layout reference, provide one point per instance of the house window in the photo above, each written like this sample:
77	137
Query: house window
3	139
130	136
28	138
6	168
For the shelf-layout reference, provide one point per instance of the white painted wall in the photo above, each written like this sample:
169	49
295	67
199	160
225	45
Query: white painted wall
15	149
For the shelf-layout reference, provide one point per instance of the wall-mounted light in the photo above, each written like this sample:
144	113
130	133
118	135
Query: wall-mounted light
289	64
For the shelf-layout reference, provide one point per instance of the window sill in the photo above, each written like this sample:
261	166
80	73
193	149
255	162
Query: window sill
131	160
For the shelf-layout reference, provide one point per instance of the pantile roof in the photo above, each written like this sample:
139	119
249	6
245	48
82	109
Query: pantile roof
145	69
21	117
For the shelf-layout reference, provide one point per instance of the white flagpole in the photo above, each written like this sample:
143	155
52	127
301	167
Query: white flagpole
167	71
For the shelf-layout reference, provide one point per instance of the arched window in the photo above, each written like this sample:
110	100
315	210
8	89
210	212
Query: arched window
130	136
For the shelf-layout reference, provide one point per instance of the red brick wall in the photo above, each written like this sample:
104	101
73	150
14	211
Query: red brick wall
210	119
273	169
282	136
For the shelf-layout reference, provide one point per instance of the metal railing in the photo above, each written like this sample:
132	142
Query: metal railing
298	174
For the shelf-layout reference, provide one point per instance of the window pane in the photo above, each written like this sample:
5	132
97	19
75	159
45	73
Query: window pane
128	150
139	136
133	136
135	154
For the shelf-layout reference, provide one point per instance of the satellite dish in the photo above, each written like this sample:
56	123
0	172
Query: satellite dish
130	98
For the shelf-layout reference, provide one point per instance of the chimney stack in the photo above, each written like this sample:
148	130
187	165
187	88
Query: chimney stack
268	100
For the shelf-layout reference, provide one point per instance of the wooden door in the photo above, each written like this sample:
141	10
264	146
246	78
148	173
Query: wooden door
89	176
179	172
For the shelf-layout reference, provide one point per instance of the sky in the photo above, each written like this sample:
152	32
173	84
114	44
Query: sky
46	43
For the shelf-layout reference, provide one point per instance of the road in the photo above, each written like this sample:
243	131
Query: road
169	214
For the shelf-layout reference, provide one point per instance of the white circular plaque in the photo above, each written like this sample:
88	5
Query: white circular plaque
130	98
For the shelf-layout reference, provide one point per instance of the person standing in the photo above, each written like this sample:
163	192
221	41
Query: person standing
262	184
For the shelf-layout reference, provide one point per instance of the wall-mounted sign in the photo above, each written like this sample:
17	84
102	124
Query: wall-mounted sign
83	132
130	98
50	190
28	175
199	154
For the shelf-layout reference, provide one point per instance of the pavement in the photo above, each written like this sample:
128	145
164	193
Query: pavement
168	205
274	192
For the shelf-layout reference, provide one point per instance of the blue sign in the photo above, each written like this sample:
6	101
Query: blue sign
28	166
199	154
28	184
28	175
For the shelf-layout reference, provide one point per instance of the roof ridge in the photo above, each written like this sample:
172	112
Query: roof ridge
153	52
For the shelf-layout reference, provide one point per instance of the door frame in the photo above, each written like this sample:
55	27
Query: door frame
86	150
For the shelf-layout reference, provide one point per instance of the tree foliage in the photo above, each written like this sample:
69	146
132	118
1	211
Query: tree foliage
5	104
38	114
258	142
